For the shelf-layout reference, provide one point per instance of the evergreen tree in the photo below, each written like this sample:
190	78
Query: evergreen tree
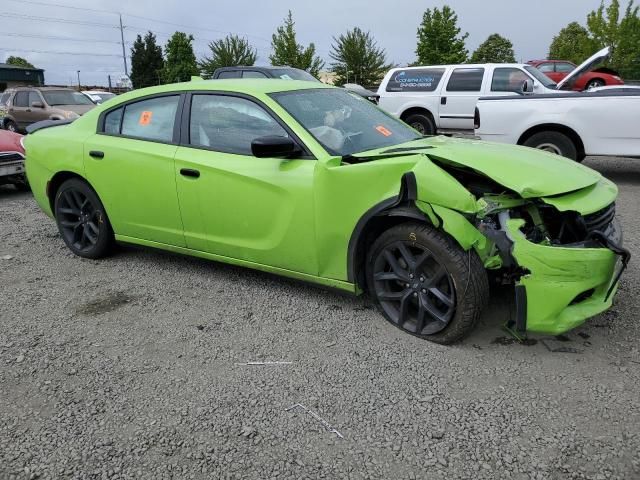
287	51
146	61
230	51
180	63
495	49
358	59
439	39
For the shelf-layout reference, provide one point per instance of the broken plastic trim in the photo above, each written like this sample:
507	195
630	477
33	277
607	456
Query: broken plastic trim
619	250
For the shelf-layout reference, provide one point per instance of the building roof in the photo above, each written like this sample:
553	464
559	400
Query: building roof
6	66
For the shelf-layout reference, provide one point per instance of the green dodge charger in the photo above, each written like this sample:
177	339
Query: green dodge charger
312	182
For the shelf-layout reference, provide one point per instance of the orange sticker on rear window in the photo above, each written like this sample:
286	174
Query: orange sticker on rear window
384	131
145	118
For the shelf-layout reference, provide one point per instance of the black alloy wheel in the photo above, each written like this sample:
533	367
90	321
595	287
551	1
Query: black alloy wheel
81	219
414	288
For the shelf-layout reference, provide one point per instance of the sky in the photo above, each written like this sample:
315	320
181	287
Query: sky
64	40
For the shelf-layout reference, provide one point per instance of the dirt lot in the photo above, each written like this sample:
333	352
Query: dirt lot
132	368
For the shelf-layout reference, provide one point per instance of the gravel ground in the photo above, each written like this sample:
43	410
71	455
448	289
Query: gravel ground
131	367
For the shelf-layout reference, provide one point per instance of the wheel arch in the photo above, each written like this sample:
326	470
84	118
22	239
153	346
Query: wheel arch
382	216
555	127
57	180
416	110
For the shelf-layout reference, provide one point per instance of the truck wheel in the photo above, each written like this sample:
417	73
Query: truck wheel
553	142
422	123
11	126
425	284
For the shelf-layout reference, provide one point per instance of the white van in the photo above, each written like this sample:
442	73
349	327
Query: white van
443	97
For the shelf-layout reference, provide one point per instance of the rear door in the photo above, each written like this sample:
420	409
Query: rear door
130	164
459	97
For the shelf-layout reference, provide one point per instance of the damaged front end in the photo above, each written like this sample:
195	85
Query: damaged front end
562	251
563	263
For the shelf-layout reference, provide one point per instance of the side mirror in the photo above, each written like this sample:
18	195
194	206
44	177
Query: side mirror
527	87
37	105
272	146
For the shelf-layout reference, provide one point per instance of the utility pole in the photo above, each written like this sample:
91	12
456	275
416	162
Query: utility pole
109	79
124	55
79	80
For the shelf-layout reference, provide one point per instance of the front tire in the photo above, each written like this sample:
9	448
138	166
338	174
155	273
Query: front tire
82	220
425	284
596	82
11	126
553	142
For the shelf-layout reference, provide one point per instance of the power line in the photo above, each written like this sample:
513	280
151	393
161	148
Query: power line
32	2
51	37
92	54
58	20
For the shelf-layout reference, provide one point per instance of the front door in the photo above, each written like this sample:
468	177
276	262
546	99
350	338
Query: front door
234	204
130	164
459	97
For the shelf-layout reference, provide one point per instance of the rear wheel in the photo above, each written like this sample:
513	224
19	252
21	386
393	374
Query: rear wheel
553	142
82	220
11	126
425	284
596	82
422	122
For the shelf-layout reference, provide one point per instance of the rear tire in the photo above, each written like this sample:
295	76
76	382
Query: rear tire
82	220
11	126
596	82
553	142
425	284
423	123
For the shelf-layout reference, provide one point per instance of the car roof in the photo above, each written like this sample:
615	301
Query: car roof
44	89
245	85
551	61
255	67
462	65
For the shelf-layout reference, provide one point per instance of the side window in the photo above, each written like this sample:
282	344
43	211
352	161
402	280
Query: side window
415	80
229	74
151	119
21	99
466	80
565	67
34	97
508	80
229	124
112	121
546	67
253	74
4	99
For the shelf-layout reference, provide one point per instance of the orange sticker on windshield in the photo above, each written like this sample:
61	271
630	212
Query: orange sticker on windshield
145	118
384	131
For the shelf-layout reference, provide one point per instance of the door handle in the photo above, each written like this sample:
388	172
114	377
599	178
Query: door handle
443	100
96	154
189	172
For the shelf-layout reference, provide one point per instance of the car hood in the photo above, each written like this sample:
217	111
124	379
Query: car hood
585	66
79	109
529	172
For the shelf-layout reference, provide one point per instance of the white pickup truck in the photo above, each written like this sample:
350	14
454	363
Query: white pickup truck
604	122
443	98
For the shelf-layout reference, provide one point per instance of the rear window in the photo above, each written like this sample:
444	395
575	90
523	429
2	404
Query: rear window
229	74
466	80
415	80
4	99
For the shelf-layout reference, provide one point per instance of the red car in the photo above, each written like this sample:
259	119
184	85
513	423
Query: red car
12	160
556	70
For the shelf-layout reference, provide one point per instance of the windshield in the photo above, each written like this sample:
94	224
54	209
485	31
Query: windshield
65	97
103	96
293	74
342	122
541	77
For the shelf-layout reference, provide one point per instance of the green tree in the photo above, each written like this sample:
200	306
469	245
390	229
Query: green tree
287	51
230	51
572	43
357	58
495	49
608	29
439	39
19	62
146	61
180	61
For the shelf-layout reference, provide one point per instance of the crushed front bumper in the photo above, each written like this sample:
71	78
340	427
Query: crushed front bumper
564	286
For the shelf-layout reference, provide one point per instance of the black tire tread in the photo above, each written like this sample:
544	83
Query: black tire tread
475	288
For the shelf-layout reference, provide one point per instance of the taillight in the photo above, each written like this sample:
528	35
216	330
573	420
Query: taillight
476	119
